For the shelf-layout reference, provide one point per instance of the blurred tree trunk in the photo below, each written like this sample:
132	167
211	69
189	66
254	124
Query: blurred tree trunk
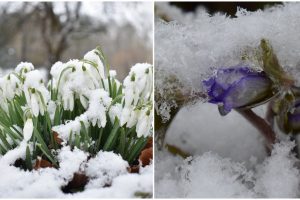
55	32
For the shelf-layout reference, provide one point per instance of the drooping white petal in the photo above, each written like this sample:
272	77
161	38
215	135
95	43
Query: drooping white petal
28	129
34	105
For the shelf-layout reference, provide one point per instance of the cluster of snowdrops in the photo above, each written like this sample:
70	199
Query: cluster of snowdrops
83	106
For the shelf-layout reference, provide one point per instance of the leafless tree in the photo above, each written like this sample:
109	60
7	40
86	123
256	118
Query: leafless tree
54	31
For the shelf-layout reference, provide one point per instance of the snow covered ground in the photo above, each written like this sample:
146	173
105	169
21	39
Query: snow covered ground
106	168
229	159
228	155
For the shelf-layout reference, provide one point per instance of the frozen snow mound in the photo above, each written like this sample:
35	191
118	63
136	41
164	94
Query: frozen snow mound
210	175
107	168
190	47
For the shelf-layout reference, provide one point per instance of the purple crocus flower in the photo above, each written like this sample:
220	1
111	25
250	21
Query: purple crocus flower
238	87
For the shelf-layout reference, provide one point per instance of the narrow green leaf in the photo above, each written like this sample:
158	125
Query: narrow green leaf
4	141
48	154
77	141
28	159
70	142
57	116
111	140
42	145
136	149
122	141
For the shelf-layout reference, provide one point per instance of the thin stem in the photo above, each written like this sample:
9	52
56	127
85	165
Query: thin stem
261	125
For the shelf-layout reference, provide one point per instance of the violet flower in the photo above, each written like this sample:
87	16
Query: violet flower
238	87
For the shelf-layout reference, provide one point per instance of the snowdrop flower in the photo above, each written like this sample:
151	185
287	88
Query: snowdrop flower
28	129
23	68
138	84
143	127
10	86
56	71
129	116
115	111
75	80
93	56
36	93
98	106
137	91
238	87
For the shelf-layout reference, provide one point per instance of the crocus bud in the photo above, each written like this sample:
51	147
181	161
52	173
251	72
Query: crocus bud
238	87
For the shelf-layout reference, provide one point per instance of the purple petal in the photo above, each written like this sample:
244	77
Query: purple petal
236	87
248	90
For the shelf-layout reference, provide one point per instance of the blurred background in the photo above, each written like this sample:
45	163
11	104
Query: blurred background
46	32
170	10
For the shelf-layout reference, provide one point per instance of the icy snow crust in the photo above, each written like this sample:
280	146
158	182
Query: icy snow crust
105	168
228	156
211	176
191	45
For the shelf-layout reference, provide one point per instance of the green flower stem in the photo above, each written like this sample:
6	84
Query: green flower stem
261	125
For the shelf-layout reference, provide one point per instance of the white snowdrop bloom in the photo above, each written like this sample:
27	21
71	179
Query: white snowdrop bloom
133	117
115	111
56	71
24	67
129	116
98	107
36	93
138	84
137	91
10	86
143	127
113	73
51	107
93	57
75	81
28	129
96	114
126	111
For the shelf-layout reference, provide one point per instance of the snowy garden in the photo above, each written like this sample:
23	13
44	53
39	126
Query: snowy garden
78	133
227	103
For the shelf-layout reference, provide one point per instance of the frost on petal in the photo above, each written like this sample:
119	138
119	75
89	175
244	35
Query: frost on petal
10	85
36	94
93	57
144	123
115	111
238	87
125	115
98	106
28	129
24	67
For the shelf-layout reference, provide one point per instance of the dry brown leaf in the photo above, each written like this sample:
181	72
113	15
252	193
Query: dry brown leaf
56	138
134	169
146	156
41	163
